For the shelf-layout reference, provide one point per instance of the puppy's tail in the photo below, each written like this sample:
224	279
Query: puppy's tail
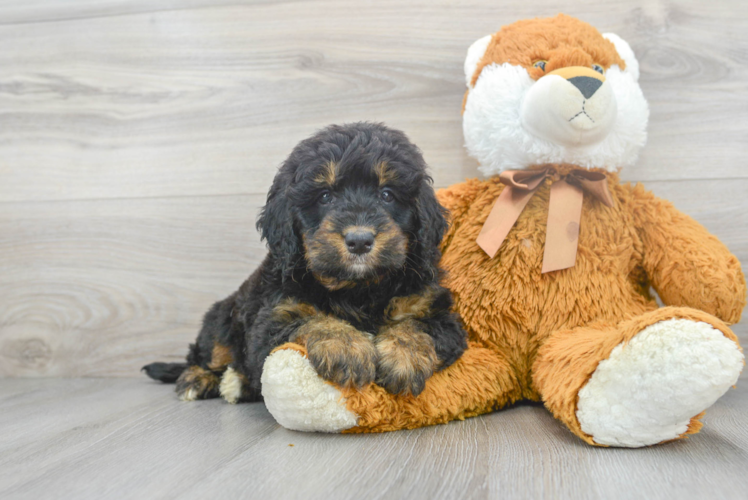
165	372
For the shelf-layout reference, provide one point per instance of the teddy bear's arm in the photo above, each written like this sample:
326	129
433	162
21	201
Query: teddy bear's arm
687	265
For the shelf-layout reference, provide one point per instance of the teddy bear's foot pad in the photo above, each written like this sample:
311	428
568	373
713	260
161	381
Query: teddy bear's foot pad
649	389
299	399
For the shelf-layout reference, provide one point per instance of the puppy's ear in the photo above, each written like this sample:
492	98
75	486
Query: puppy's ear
276	224
432	224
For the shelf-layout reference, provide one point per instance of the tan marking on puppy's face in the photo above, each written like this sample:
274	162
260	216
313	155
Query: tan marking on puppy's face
407	358
414	306
220	357
391	244
338	352
385	173
324	238
327	175
336	268
355	229
196	383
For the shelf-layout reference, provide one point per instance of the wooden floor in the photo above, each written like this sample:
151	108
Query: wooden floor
131	438
137	141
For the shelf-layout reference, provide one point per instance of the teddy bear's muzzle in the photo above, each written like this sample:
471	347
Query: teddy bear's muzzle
573	106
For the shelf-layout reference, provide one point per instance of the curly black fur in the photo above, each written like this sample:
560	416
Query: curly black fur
334	182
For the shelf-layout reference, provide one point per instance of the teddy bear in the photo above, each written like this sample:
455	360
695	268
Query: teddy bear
551	261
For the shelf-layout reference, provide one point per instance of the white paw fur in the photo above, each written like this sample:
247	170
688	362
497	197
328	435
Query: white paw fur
188	395
231	385
648	390
299	399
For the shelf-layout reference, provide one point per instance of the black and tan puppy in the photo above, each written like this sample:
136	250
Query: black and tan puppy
353	230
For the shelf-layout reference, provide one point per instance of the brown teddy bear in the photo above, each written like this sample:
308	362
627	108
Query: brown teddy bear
551	260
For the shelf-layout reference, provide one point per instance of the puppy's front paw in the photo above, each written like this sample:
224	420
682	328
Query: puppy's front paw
343	356
406	359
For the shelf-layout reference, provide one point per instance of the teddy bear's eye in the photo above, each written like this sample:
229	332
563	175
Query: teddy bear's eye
598	68
539	64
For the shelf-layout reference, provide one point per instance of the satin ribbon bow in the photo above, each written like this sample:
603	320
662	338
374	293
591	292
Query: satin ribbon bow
564	211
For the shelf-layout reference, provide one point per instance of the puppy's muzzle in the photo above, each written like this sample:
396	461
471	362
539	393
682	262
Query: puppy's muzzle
359	242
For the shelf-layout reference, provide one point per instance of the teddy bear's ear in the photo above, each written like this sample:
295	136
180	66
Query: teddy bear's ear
624	50
474	55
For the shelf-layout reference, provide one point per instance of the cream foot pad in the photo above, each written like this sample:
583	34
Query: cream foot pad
648	390
299	399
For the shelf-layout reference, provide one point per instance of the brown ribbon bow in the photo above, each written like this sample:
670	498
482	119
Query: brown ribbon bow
564	211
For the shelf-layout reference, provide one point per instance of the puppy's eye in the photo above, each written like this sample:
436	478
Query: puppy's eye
387	196
540	64
598	68
325	198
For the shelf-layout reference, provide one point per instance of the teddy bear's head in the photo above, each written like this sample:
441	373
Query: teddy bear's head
553	90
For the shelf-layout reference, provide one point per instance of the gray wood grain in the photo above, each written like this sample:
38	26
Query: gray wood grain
131	438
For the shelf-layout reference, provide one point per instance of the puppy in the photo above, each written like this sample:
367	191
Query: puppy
353	231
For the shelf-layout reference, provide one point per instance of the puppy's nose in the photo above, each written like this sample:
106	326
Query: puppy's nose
359	242
586	85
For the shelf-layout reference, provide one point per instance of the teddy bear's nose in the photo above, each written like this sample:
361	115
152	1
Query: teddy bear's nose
586	85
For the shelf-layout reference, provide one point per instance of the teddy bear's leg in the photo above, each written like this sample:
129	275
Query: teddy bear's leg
479	382
641	382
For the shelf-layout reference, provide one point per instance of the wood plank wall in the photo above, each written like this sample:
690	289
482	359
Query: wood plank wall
138	138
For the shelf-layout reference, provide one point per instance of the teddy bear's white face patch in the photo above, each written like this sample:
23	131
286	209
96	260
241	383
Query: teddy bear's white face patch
513	122
571	112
